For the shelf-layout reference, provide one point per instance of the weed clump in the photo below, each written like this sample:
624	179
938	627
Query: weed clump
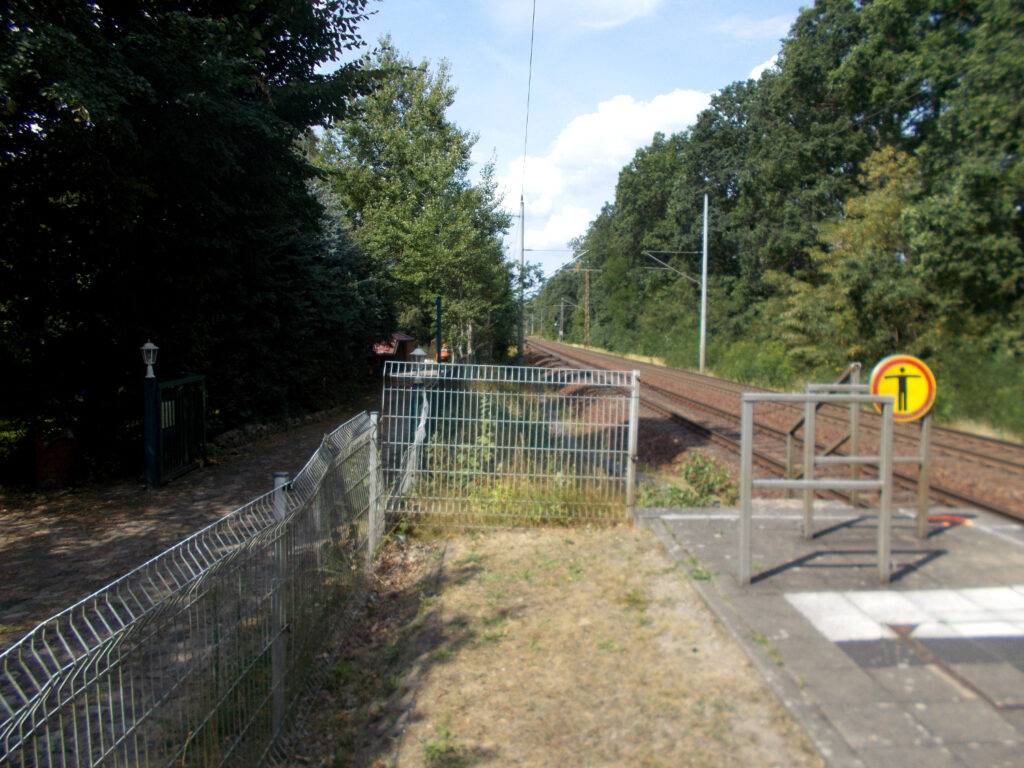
703	482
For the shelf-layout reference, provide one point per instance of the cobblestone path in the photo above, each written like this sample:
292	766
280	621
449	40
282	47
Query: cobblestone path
58	547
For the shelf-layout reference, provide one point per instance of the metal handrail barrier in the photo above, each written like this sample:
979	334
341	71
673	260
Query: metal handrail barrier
849	377
808	484
922	459
851	373
199	655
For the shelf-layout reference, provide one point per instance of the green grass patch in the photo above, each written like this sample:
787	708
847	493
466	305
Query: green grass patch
770	649
635	599
702	482
444	751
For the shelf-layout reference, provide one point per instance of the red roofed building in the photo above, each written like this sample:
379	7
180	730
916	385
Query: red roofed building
397	348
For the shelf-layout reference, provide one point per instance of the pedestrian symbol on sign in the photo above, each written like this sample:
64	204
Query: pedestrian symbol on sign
901	377
909	381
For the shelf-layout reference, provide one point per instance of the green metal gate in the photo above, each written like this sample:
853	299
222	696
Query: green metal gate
182	443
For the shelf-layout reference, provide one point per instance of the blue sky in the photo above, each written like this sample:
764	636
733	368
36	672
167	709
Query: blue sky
607	74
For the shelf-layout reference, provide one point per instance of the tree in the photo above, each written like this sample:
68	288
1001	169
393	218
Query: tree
864	296
148	153
401	170
969	225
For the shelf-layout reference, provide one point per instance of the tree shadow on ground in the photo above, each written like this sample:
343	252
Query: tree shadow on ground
391	645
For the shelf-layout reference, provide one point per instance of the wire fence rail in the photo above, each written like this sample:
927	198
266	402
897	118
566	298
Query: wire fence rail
198	656
203	655
493	446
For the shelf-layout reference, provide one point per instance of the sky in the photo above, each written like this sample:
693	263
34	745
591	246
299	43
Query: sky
606	75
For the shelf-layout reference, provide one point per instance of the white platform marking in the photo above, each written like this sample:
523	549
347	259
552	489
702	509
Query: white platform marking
938	613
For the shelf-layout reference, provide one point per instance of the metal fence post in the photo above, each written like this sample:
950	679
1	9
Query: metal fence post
789	462
746	486
634	415
278	618
924	473
885	500
375	512
854	432
809	448
151	429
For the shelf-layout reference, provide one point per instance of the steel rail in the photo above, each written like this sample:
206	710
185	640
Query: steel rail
762	459
939	492
945	439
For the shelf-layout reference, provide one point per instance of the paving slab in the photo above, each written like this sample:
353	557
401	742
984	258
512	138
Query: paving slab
918	684
927	669
988	754
912	757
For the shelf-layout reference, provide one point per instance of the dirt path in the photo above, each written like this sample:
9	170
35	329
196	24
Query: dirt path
577	647
58	547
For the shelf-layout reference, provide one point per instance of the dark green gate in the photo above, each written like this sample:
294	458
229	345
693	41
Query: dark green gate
182	444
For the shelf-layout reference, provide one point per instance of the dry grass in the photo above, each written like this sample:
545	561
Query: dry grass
575	647
649	359
986	430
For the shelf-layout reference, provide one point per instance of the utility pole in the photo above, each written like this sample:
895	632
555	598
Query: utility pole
704	288
586	299
586	313
522	273
561	315
703	282
586	305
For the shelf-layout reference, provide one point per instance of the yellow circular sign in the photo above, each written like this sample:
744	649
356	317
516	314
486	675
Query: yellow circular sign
909	381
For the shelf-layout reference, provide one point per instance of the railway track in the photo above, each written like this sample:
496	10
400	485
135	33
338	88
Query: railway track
967	469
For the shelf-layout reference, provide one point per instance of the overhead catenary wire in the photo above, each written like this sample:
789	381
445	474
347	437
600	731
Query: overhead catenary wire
529	84
522	187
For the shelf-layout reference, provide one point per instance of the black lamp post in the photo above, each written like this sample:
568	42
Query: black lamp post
150	415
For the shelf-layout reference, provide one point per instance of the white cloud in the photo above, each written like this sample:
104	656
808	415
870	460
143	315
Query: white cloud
747	28
557	230
760	69
583	14
565	188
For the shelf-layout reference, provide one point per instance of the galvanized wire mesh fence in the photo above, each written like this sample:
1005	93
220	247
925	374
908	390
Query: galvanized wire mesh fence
198	656
478	445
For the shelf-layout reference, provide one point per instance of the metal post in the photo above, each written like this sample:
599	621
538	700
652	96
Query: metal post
746	487
809	414
586	313
789	462
151	428
438	304
522	272
854	432
278	618
885	494
634	414
924	474
375	513
704	288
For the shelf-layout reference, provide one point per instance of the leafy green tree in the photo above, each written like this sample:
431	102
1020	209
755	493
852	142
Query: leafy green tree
401	170
864	296
154	188
969	225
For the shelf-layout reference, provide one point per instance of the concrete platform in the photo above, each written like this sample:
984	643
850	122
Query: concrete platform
926	670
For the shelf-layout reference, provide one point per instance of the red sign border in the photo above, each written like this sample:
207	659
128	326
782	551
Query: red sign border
885	364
